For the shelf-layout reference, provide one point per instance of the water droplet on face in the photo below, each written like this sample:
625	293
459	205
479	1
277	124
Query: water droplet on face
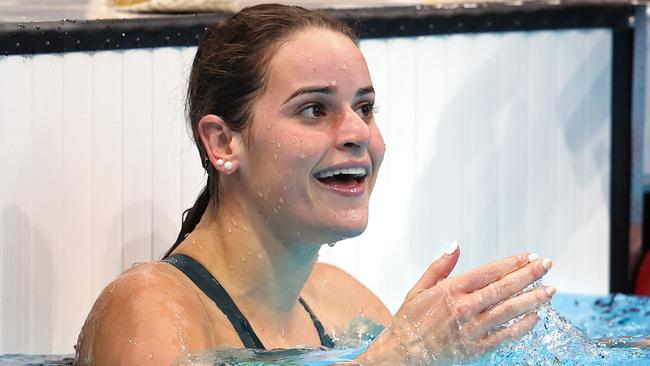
278	145
302	156
234	223
150	356
275	209
250	253
243	259
281	200
344	67
259	256
275	156
333	83
229	230
259	194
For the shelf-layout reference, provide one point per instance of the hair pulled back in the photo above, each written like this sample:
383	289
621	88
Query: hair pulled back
229	73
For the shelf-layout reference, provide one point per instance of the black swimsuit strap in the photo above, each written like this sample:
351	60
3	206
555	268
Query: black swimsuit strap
211	287
204	280
325	339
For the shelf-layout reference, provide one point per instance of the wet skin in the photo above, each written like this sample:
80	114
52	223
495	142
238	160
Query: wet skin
261	243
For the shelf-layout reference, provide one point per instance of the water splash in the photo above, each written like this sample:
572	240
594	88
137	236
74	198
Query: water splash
556	341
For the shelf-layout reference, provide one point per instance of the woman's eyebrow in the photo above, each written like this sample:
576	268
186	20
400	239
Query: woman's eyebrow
327	90
311	89
363	91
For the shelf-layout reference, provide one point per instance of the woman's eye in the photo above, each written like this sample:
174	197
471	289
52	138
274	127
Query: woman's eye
313	111
366	110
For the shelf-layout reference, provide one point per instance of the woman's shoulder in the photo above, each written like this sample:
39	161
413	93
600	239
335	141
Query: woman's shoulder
144	285
150	309
340	297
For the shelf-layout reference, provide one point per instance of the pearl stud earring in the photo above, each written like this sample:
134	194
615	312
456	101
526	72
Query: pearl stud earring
219	162
228	165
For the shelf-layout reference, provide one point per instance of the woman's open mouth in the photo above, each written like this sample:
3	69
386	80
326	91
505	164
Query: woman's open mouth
345	181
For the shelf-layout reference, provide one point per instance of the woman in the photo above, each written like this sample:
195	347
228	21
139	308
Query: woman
281	107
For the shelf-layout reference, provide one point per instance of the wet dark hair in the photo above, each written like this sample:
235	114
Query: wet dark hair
229	73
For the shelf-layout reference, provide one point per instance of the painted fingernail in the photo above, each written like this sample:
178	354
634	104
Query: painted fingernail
550	290
547	263
532	257
452	248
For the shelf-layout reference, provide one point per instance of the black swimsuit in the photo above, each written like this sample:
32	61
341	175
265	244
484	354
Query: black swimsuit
213	289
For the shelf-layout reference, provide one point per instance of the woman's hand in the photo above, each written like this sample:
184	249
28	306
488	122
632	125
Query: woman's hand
451	320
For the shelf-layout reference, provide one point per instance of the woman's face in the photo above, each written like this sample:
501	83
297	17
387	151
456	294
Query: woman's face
315	149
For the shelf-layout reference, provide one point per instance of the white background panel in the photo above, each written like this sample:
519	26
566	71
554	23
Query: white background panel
137	112
107	159
500	141
168	132
76	244
17	213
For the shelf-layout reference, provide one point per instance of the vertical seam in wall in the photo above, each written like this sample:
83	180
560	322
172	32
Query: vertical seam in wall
122	153
92	175
181	144
151	158
60	255
31	200
3	226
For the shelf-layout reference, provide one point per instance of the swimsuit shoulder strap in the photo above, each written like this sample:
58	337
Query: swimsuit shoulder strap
325	339
213	289
204	280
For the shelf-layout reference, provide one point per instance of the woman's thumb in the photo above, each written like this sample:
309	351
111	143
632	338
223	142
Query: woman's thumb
439	269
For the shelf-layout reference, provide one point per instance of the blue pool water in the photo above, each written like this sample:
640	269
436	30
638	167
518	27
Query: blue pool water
575	330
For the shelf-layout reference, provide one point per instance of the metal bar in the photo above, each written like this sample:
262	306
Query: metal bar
620	194
186	30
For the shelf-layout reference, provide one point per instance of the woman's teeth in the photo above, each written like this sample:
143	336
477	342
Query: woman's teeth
356	172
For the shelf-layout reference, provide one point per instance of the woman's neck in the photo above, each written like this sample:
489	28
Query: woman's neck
240	250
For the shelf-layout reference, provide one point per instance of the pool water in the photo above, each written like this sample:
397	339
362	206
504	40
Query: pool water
575	330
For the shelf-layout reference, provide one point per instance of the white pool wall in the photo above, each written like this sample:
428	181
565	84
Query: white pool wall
500	141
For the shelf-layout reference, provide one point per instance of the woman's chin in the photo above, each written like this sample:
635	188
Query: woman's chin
349	230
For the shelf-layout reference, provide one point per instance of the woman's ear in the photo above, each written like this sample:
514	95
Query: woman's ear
220	142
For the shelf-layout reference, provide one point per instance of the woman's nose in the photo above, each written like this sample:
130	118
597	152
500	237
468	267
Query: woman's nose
353	132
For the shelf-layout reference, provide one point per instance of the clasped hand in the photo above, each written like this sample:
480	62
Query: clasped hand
446	320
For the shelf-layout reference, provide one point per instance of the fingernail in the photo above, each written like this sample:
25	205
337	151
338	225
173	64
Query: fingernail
452	248
547	263
550	290
532	257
